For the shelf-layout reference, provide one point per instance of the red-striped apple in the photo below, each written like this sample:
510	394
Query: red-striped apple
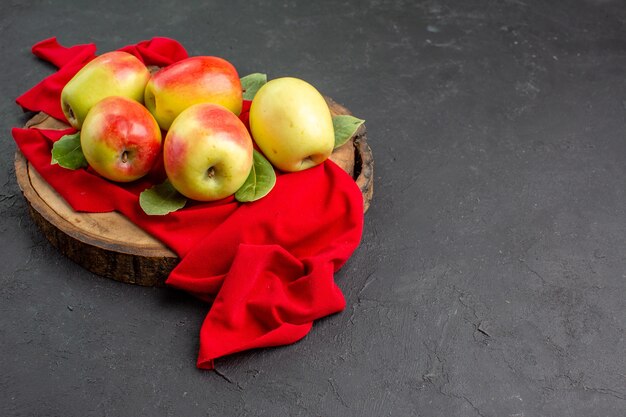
207	152
199	79
292	125
120	139
114	73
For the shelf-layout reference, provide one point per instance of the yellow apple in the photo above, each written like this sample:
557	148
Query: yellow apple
114	73
292	125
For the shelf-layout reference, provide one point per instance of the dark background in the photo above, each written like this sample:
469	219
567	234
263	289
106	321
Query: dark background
490	278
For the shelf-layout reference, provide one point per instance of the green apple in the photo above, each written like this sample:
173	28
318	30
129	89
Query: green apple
207	152
120	139
292	125
199	79
114	73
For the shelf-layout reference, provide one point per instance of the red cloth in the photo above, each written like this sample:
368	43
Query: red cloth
267	266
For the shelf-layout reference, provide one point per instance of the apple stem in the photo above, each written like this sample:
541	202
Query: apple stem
125	156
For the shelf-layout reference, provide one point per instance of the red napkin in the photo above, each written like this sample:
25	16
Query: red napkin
267	266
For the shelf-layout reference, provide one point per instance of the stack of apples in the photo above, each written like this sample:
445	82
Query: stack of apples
187	114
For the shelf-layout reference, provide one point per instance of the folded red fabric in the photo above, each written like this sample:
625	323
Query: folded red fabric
267	267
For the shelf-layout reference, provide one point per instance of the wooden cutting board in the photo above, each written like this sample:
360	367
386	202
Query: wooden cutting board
108	244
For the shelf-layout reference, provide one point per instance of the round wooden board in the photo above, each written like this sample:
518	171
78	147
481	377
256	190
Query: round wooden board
110	245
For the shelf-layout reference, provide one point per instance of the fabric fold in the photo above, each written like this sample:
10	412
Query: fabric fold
157	51
46	96
58	55
252	308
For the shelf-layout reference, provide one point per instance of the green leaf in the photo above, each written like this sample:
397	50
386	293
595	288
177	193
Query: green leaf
260	181
345	127
67	152
161	199
251	84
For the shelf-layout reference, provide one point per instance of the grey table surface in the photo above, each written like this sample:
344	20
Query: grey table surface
490	280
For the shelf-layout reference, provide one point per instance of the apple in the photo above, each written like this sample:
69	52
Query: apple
120	139
199	79
291	124
114	73
207	152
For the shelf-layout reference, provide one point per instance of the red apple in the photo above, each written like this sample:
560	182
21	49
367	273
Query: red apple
200	79
120	139
207	152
